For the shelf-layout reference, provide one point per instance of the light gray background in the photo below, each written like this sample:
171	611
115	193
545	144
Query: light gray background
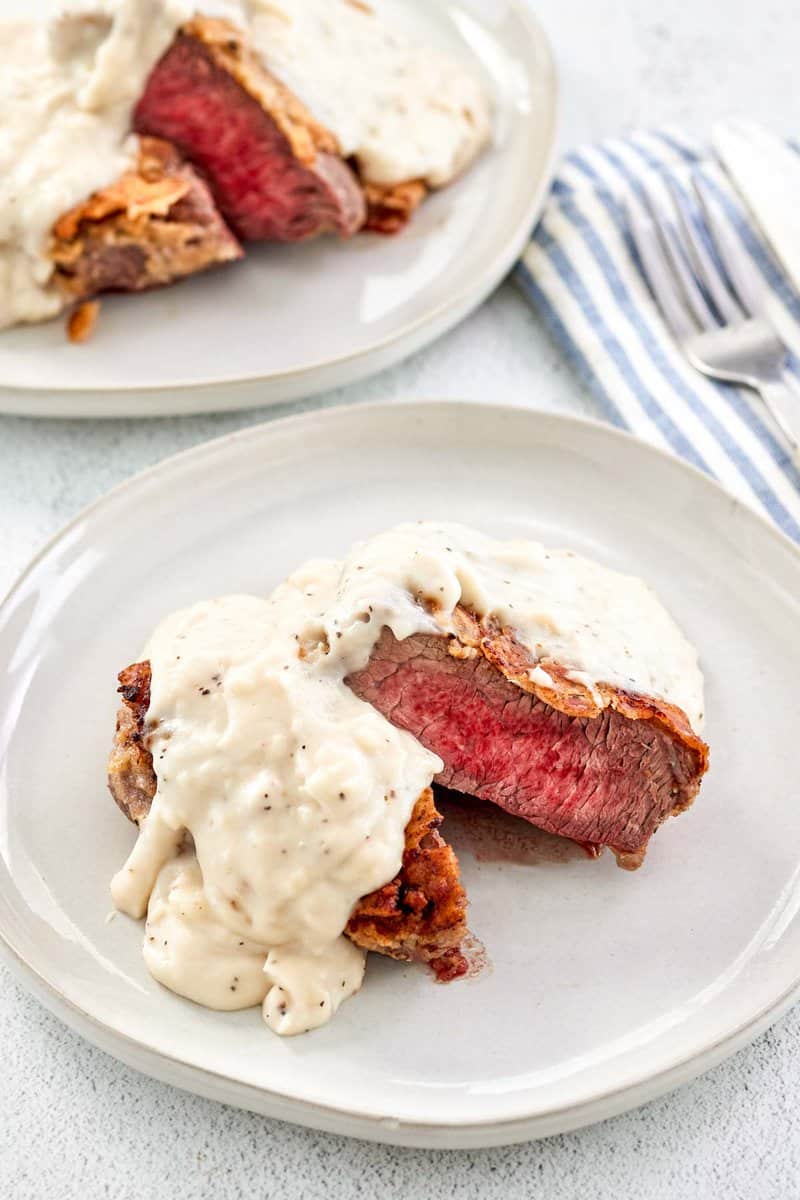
75	1123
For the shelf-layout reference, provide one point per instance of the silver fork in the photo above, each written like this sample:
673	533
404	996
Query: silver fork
716	315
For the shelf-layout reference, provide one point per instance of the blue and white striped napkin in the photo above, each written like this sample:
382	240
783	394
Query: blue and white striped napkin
582	274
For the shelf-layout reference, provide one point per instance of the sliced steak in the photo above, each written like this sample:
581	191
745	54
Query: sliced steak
420	915
275	172
154	225
604	769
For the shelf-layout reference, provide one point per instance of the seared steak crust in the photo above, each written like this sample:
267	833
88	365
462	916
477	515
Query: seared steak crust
154	225
419	915
602	766
131	774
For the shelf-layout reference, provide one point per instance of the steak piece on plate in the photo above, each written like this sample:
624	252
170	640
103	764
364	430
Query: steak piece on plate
601	766
420	915
275	172
154	225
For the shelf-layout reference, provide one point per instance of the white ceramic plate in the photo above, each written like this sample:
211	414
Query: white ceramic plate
606	988
294	320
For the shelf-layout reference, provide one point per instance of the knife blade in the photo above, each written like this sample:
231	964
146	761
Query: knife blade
766	173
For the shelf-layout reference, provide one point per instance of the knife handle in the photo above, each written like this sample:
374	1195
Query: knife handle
783	404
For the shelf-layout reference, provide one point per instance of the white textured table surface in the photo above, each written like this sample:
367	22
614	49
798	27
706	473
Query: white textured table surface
74	1122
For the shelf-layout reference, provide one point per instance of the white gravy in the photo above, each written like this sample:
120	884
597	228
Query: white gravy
67	89
283	799
66	93
403	109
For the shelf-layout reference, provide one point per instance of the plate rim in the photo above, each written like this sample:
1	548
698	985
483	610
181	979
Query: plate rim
452	1132
468	1134
419	330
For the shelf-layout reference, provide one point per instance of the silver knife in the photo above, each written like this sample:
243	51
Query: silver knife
766	173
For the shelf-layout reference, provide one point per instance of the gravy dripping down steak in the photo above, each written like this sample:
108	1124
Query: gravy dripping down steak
419	915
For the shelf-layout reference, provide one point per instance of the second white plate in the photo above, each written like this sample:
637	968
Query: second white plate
607	988
294	320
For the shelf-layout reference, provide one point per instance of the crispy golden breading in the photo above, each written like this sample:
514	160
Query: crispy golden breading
82	321
421	913
154	225
390	207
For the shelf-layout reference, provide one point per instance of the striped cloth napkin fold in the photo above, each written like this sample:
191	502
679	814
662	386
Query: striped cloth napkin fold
581	272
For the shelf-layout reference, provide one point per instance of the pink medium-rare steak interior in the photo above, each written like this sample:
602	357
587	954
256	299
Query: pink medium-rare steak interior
605	780
210	97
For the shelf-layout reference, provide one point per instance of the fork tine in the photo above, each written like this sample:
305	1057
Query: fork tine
659	201
746	281
707	270
658	271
